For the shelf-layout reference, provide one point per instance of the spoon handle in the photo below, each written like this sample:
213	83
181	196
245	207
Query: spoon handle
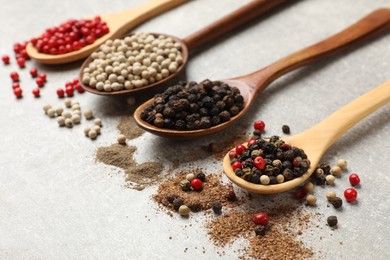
230	22
362	31
331	128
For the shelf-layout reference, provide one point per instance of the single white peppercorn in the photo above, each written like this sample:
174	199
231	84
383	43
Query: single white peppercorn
97	129
68	122
336	171
264	179
75	107
280	178
121	139
75	119
342	164
86	130
330	195
68	102
61	120
88	114
184	210
92	134
190	176
330	179
308	187
66	114
59	111
98	122
311	200
51	112
46	108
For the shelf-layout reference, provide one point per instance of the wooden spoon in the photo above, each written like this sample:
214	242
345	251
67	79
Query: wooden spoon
239	17
316	140
119	23
250	85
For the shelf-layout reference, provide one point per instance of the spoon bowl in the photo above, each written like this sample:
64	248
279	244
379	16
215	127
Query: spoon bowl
316	140
250	85
118	23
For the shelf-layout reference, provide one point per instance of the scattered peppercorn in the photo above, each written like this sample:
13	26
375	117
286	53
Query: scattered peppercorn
350	194
261	218
330	195
196	184
311	200
201	176
342	164
337	202
332	221
121	139
286	129
184	211
193	106
300	193
231	195
217	208
260	230
5	59
259	125
177	202
330	179
185	185
336	171
354	179
308	186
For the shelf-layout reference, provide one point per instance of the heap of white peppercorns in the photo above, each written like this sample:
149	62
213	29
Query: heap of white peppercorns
133	62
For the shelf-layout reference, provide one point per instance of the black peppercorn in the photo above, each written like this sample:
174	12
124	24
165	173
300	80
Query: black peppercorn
171	198
201	176
180	125
286	129
326	168
196	207
320	180
159	122
332	221
217	208
288	174
260	230
168	123
224	116
169	112
337	202
177	202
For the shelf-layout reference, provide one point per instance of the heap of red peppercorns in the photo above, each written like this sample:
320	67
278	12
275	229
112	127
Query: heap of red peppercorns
70	36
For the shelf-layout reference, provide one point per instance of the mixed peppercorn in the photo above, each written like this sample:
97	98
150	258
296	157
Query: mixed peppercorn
268	162
193	106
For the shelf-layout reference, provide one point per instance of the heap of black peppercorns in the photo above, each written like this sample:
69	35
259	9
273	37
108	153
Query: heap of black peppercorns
268	162
193	106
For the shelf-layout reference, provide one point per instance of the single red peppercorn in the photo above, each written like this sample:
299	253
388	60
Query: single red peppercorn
5	59
15	85
285	147
36	92
259	162
69	84
350	194
17	47
42	76
236	165
240	149
259	125
250	142
196	184
34	72
232	154
231	195
300	193
14	76
40	82
79	88
60	93
69	91
354	179
24	54
261	218
21	62
18	92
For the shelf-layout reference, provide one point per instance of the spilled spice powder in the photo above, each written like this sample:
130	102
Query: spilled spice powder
213	191
122	156
279	241
128	127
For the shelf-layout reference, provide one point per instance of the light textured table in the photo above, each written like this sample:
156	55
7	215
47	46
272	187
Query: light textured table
56	202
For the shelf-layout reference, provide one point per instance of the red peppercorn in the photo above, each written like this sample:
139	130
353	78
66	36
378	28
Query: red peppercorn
18	92
240	149
354	179
24	54
40	82
79	88
69	84
250	142
42	76
75	81
261	218
33	72
259	162
300	193
350	194
196	184
231	195
236	165
60	93
17	47
285	147
232	154
21	62
259	125
14	76
69	91
36	92
15	85
5	59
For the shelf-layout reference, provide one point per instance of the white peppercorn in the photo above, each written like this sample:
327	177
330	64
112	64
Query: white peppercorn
342	164
46	108
66	114
75	119
68	102
61	120
98	122
51	112
86	130
308	187
280	178
92	134
121	139
68	122
330	195
88	114
184	210
96	128
59	111
311	200
264	179
330	179
336	171
190	176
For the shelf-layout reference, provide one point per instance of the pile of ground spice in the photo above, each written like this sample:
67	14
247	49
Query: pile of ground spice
279	241
213	191
128	127
137	175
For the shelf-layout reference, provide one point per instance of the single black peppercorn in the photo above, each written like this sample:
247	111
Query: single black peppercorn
201	176
332	221
326	168
196	207
260	230
337	202
320	180
177	202
171	198
217	208
224	116
286	129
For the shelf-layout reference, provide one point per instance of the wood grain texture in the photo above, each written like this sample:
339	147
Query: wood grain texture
119	24
316	140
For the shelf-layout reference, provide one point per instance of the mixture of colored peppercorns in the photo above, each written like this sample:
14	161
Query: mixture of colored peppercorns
193	106
269	162
70	36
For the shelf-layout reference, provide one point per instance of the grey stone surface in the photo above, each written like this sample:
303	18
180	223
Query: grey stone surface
56	202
